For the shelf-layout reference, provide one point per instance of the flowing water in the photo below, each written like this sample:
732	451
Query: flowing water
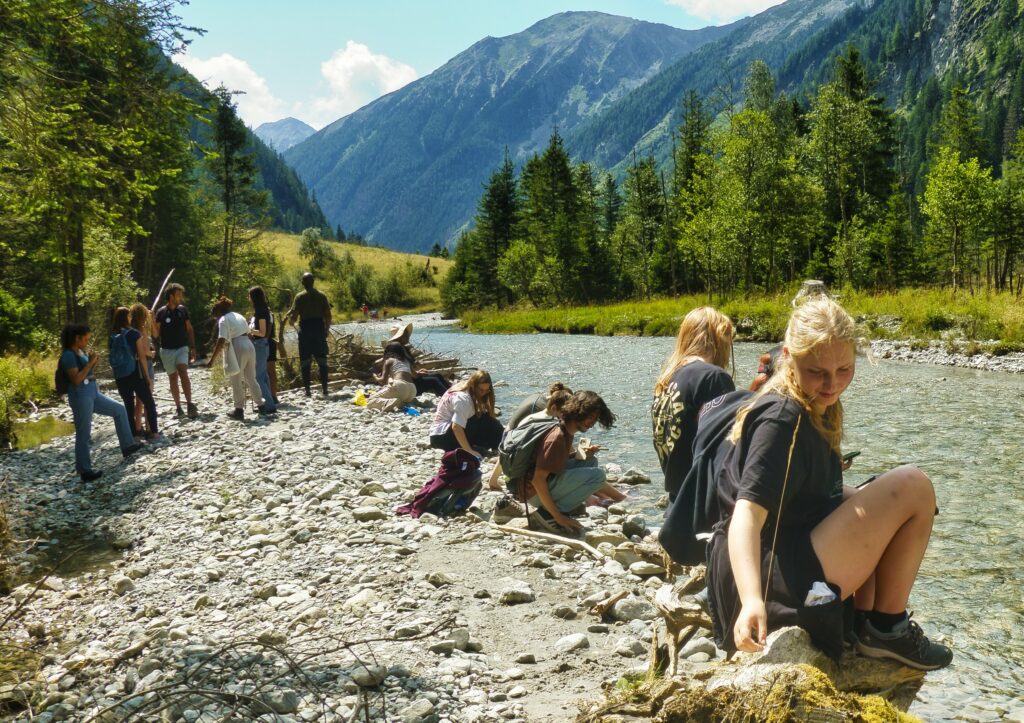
963	427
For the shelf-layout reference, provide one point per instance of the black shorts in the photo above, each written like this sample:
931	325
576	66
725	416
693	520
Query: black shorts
312	339
796	568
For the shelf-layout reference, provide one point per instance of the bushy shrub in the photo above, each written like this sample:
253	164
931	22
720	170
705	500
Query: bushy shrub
22	379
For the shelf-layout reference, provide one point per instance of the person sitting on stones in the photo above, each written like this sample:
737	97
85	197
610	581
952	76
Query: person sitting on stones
465	417
788	523
426	382
561	480
693	375
398	380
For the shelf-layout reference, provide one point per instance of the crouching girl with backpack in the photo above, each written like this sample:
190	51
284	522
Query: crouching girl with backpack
556	482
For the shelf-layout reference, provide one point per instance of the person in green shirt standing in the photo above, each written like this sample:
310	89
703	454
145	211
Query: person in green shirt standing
313	312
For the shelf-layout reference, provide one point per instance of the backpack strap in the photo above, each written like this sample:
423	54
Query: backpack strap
778	517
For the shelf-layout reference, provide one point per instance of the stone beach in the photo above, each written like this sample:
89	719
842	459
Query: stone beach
264	560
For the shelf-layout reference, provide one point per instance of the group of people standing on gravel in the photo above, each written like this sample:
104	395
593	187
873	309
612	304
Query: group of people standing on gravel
248	347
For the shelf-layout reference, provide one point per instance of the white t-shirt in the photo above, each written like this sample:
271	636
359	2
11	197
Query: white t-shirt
454	407
232	325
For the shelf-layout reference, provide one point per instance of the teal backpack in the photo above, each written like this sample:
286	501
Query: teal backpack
519	446
122	358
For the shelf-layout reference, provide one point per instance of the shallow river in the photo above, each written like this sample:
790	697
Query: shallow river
962	427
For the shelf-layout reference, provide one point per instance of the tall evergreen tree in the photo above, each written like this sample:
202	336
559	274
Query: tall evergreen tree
497	224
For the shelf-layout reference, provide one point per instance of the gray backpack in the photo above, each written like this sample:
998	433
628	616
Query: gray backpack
518	447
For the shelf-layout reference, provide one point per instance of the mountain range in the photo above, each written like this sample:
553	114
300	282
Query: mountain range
406	170
283	134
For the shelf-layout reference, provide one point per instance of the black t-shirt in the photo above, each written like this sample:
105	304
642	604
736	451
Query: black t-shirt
674	417
755	468
266	316
132	336
173	334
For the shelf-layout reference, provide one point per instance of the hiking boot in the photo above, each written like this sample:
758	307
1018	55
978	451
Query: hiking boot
263	411
238	415
543	521
308	392
179	412
906	643
506	509
90	475
131	449
193	411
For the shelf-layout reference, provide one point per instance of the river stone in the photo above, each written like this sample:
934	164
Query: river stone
699	645
633	608
633	476
576	641
368	514
282	701
634	525
596	537
643	568
629	647
515	592
368	676
121	584
420	710
526	659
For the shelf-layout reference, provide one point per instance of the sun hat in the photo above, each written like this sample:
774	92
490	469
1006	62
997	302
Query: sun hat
401	333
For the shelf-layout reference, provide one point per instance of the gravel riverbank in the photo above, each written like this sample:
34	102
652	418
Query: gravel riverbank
953	354
259	566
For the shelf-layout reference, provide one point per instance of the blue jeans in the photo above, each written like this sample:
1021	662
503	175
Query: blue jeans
262	378
579	480
85	400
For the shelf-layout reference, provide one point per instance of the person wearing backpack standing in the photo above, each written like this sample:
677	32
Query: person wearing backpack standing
128	354
693	375
312	310
177	346
74	376
141	320
557	483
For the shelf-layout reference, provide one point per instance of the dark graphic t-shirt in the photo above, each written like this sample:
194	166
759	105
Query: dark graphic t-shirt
674	417
173	334
755	468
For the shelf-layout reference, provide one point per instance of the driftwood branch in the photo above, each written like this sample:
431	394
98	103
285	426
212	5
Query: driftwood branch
567	541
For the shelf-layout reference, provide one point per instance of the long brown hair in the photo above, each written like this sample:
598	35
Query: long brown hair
138	317
120	320
482	404
815	323
558	395
704	334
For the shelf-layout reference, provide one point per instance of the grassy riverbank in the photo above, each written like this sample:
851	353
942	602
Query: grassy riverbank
904	314
22	380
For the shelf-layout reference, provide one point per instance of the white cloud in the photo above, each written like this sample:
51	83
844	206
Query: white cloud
256	104
355	76
723	11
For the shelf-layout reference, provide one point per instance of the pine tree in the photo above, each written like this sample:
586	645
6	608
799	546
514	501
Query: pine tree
497	224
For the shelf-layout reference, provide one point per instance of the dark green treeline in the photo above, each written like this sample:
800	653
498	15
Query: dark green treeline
116	166
761	192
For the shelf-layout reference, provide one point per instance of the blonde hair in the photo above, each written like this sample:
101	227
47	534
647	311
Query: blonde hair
814	324
484	404
704	334
138	316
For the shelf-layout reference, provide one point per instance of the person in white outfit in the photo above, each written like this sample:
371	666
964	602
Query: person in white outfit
397	375
239	357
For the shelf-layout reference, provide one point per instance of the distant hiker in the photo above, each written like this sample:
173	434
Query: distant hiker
366	311
791	528
766	365
177	345
465	418
558	482
397	377
693	375
239	357
313	312
261	327
75	377
128	354
141	320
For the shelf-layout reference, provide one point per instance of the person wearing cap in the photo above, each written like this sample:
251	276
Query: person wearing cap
313	312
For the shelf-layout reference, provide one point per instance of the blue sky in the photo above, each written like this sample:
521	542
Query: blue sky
318	60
